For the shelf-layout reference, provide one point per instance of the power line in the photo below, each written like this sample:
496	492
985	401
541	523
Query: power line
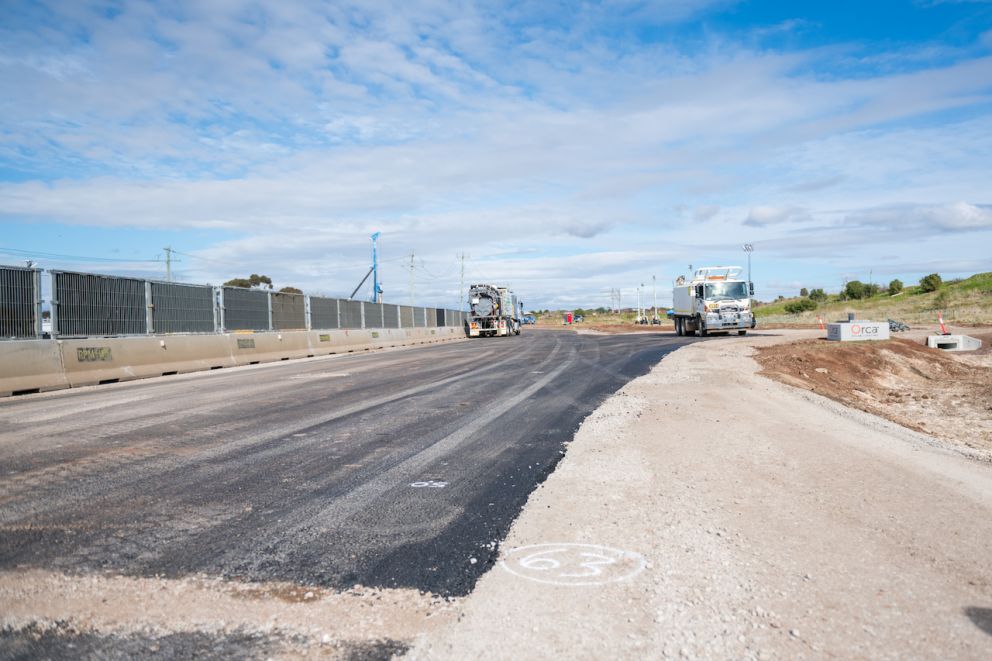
52	255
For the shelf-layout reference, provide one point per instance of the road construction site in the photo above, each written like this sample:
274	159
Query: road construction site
438	502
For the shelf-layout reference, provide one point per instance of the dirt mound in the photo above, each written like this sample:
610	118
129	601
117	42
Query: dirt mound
946	395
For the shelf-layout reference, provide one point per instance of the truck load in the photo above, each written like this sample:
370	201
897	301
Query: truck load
493	311
716	299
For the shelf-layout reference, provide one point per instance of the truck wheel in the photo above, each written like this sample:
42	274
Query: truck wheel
701	327
743	332
678	326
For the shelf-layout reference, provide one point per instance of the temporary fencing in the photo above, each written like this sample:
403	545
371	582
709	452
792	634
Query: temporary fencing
288	311
182	308
20	302
324	313
87	305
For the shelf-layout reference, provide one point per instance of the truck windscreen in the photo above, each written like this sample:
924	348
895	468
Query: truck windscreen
724	290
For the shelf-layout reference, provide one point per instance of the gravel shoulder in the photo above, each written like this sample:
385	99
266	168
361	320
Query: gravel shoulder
743	518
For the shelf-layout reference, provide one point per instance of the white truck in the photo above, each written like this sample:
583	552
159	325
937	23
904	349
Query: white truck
716	299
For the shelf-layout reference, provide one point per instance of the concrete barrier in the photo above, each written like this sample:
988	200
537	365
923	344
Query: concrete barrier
30	366
36	365
252	348
100	360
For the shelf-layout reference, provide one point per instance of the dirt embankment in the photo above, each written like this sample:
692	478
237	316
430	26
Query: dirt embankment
945	395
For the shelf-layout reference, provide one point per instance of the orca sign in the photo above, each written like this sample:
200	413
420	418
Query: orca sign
854	331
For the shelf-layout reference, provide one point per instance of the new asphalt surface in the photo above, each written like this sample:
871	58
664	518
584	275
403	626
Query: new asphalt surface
401	468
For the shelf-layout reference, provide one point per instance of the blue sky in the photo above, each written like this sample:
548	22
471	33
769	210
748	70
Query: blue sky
566	148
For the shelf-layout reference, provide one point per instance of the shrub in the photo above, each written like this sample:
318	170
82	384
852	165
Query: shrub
818	295
795	307
941	300
895	287
930	282
804	292
854	289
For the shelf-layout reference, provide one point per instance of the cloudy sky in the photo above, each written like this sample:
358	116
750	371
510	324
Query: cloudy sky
566	148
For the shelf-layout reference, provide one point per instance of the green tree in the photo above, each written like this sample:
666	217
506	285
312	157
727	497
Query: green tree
804	292
930	282
253	281
854	289
818	295
290	290
895	287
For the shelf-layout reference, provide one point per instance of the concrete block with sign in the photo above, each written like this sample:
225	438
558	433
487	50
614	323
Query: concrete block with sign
858	331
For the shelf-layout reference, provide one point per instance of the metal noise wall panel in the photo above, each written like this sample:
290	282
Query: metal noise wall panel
182	308
439	317
390	316
452	318
418	318
246	309
18	298
324	313
288	311
98	305
431	317
373	315
408	316
351	314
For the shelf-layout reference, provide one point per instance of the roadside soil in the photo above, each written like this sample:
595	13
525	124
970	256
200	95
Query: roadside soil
945	394
706	511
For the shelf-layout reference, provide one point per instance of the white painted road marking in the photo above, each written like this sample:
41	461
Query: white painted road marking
573	564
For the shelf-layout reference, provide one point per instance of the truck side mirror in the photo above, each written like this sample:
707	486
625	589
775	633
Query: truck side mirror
750	288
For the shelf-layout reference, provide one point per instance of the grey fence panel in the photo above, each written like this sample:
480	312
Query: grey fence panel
289	311
246	309
20	293
439	317
419	321
88	304
407	316
373	315
431	317
178	308
324	313
390	315
452	318
351	314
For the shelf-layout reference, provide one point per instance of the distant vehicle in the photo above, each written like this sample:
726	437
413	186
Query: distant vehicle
528	319
493	311
655	321
717	299
579	318
670	314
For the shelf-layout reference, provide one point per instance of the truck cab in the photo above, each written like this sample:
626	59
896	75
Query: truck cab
716	299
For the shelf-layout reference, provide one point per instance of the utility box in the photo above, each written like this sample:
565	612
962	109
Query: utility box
858	331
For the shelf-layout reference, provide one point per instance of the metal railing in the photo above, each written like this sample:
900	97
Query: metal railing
20	302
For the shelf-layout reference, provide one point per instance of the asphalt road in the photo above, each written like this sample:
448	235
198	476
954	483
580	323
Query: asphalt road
400	468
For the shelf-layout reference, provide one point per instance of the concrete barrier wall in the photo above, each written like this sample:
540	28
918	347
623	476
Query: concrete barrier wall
35	365
30	365
95	360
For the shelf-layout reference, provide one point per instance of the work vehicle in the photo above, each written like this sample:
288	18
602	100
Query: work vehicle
528	319
717	299
493	311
